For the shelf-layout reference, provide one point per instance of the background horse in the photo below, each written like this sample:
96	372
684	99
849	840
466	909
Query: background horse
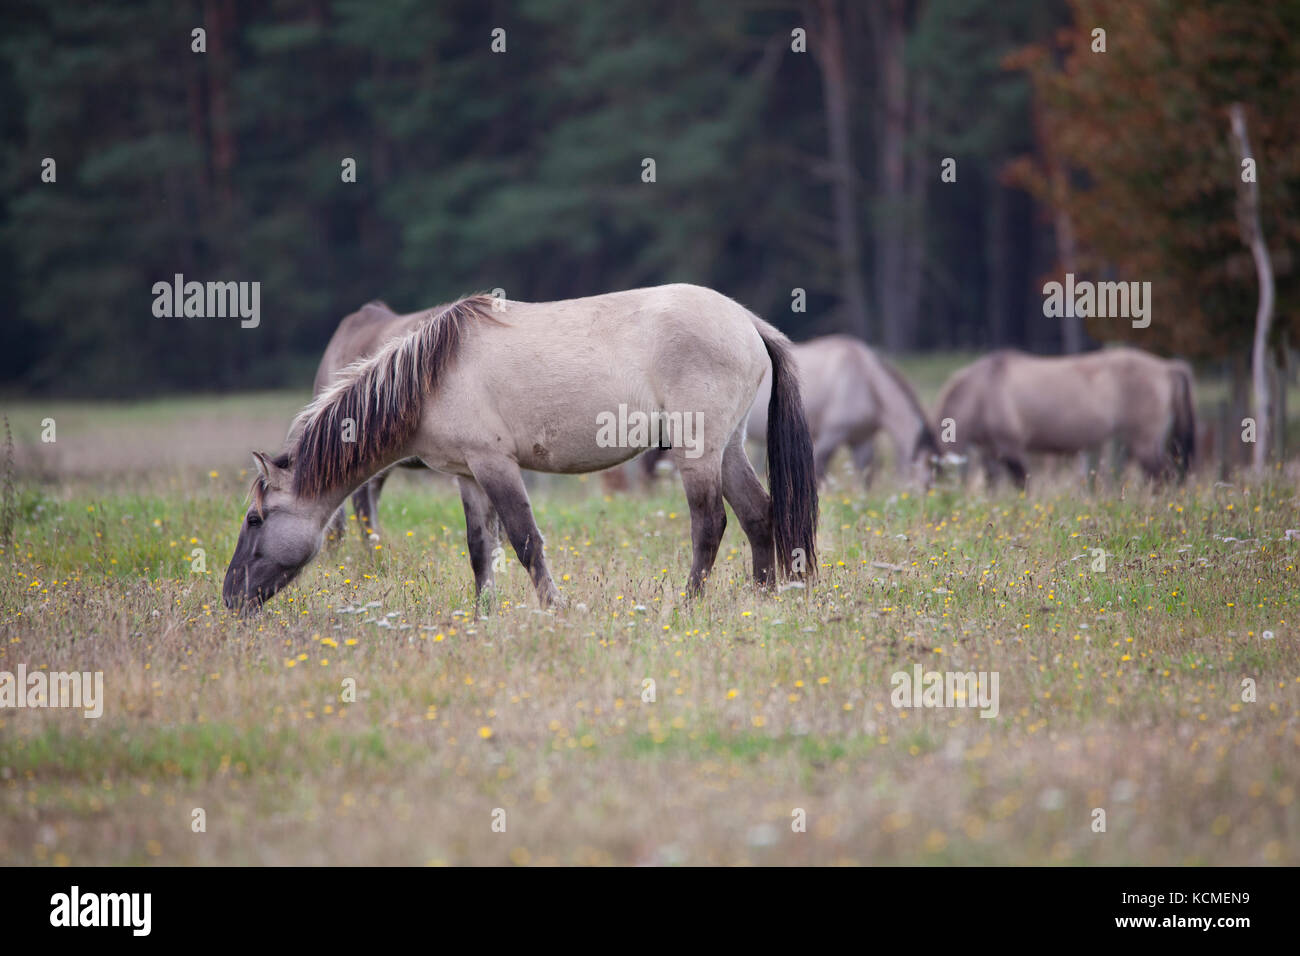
359	336
849	395
1010	404
482	388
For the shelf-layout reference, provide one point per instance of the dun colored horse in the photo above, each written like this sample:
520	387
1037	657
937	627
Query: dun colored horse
1010	404
481	388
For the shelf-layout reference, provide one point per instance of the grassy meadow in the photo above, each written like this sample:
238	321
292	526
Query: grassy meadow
1120	689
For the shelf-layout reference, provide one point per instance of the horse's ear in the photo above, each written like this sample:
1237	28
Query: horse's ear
274	475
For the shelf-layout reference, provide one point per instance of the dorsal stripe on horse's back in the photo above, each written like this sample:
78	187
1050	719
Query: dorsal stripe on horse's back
383	396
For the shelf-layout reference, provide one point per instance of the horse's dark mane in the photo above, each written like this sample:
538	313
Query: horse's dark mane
383	396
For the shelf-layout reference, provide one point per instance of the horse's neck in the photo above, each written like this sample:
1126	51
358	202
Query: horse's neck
334	497
378	466
902	418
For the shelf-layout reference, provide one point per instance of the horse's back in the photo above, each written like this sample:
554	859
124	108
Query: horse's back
544	367
841	378
964	398
359	336
1064	403
670	331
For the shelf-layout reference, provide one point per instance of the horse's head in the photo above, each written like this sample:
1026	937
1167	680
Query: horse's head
281	533
926	459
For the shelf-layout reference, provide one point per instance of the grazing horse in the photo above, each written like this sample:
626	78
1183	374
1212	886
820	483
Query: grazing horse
359	336
482	388
849	395
1010	404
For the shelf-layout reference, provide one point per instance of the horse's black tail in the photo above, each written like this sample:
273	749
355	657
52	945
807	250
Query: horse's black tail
790	471
1183	430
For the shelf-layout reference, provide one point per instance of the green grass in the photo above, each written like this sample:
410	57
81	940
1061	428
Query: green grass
1119	689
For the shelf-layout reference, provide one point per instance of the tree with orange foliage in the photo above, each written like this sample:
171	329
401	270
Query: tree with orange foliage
1132	104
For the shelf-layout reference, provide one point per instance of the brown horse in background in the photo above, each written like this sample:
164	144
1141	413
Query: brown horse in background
1010	404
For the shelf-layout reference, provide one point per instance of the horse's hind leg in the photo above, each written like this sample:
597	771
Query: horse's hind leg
481	537
702	479
753	507
503	482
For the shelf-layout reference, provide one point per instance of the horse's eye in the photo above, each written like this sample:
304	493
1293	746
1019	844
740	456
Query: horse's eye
254	521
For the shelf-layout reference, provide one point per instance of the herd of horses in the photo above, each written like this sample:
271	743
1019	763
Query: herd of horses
484	387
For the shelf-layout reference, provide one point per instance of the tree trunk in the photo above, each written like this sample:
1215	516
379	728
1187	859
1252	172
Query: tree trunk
1223	440
1067	251
1252	234
890	36
1285	371
219	16
1240	391
1067	245
828	50
1277	387
913	220
995	263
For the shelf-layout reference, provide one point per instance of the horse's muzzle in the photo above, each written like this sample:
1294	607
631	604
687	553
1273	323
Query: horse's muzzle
236	595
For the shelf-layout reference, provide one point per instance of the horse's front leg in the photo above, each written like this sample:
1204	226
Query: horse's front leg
481	538
503	483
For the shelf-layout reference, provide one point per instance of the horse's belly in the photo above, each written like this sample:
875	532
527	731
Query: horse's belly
565	459
1067	431
593	438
